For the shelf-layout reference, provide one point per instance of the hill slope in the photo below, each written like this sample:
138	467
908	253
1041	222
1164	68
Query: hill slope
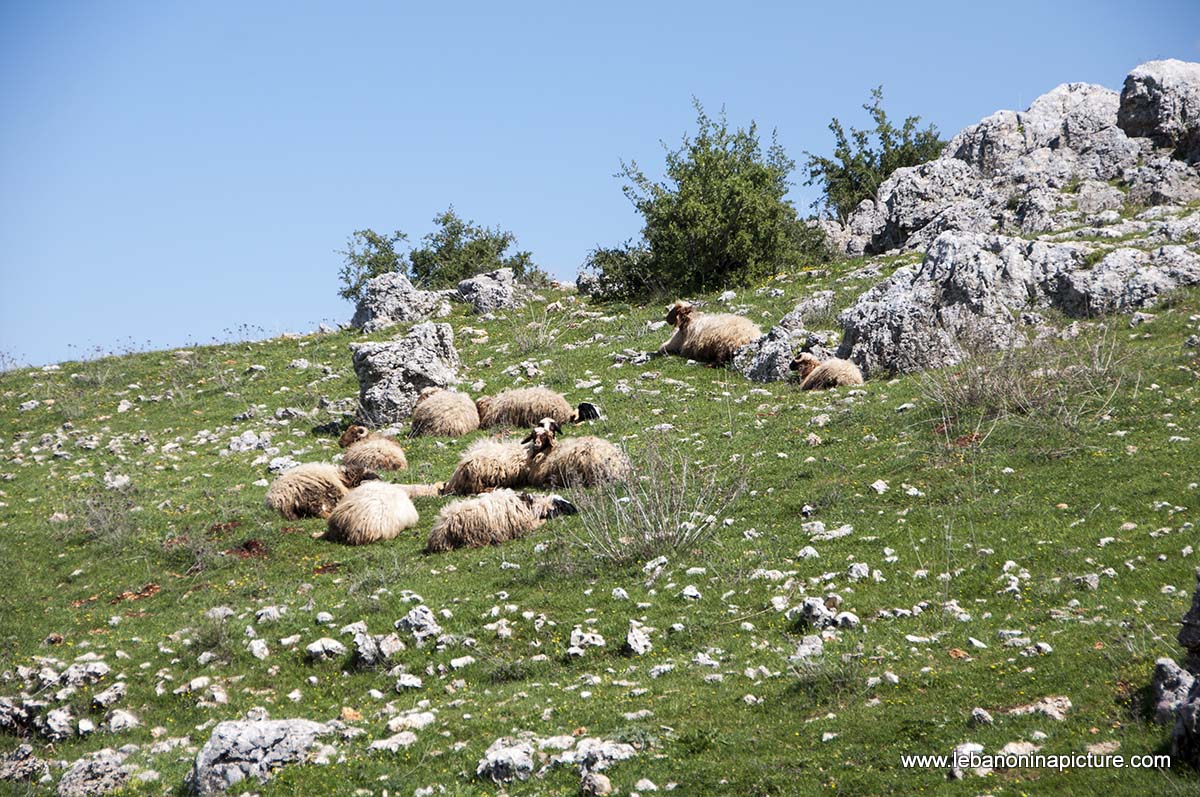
968	528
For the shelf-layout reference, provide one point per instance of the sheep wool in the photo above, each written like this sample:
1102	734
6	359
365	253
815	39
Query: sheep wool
523	408
492	519
575	462
817	375
488	465
444	413
370	451
313	489
372	512
707	338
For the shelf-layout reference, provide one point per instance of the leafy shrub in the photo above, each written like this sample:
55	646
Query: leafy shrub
668	505
455	250
720	217
1046	380
367	255
460	249
863	159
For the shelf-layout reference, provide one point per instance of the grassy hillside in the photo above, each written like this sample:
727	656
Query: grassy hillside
988	519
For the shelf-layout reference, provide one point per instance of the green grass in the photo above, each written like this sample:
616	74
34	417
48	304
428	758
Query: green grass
1069	487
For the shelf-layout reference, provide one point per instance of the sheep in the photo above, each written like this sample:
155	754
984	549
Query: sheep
372	512
444	413
313	489
371	451
489	464
524	407
817	375
491	519
709	338
576	461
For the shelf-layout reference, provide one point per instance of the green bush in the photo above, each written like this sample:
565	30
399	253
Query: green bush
865	158
455	250
459	249
720	217
368	254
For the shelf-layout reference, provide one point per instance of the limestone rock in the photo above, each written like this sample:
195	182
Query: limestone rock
391	375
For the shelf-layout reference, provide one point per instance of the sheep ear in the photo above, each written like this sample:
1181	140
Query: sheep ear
528	438
369	476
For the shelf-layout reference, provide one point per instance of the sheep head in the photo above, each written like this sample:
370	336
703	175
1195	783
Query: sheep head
353	476
548	506
804	364
679	313
426	393
481	404
545	424
541	440
352	435
586	411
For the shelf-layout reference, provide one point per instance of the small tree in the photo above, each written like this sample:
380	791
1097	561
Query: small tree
459	249
720	217
865	158
368	254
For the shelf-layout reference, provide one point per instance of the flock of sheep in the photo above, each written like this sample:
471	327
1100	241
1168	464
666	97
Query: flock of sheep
361	508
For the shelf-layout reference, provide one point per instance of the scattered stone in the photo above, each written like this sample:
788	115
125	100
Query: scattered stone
506	759
99	773
243	749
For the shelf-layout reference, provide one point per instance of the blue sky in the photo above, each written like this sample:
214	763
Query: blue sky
173	171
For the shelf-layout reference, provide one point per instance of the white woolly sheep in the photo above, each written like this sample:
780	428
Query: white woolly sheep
526	406
575	461
444	413
372	512
371	451
313	489
492	519
817	375
708	338
487	465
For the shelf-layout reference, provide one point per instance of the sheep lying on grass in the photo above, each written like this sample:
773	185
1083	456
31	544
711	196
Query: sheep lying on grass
488	465
370	451
708	338
444	413
492	519
526	406
574	461
313	489
817	375
371	512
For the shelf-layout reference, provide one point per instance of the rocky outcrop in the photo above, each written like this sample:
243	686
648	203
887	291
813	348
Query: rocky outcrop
766	359
1047	167
492	291
239	750
391	375
1161	101
969	291
391	299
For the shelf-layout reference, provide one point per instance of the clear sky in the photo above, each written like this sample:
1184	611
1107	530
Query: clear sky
173	171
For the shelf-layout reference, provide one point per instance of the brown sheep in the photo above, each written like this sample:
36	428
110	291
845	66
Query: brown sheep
817	375
444	413
708	338
371	451
313	489
488	465
574	462
492	519
372	512
526	406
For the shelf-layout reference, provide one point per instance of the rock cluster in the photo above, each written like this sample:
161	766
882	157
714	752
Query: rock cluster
1077	151
391	299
